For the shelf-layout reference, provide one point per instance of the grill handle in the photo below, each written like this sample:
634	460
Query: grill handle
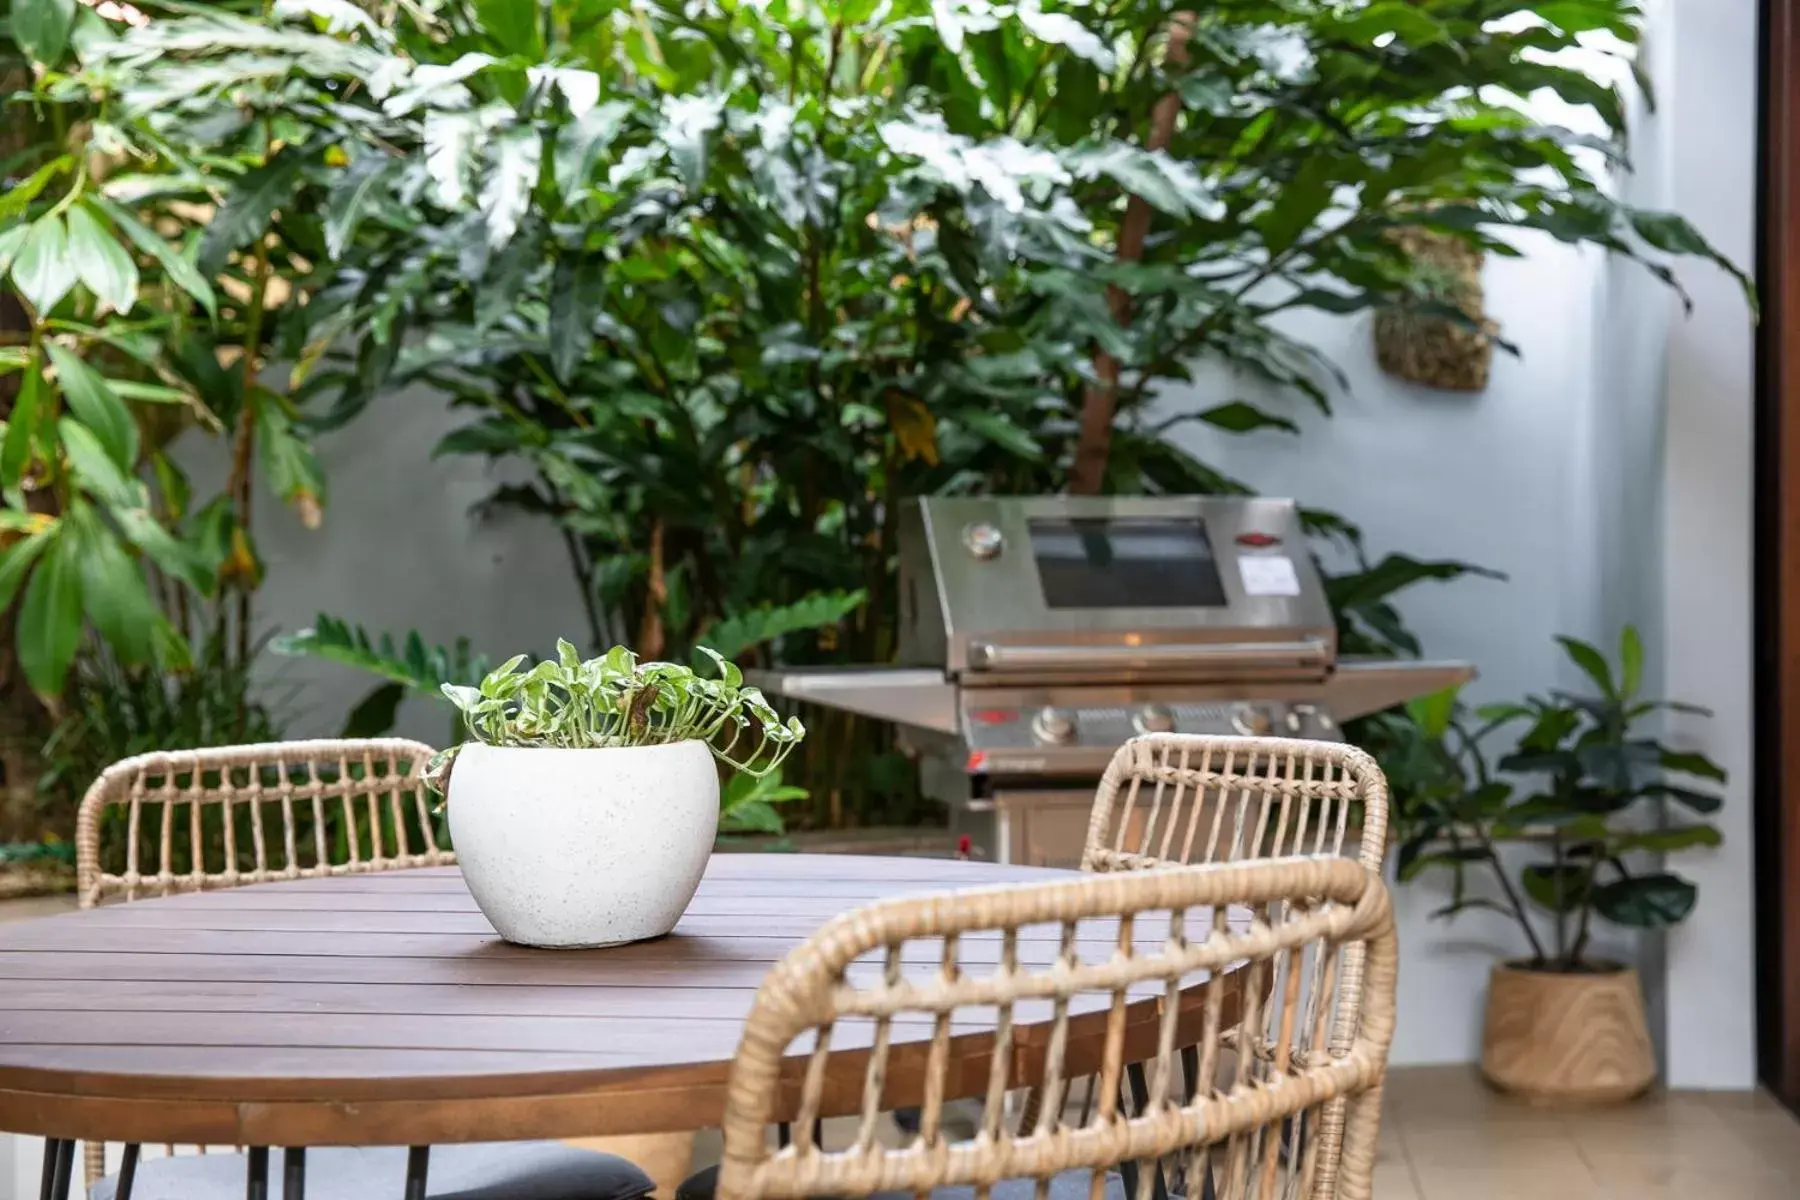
1307	653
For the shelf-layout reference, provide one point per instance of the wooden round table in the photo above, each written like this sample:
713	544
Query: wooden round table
384	1010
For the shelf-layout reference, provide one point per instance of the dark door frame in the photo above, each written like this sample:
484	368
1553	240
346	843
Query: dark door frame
1777	621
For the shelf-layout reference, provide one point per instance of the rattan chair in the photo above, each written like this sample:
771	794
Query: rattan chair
194	820
1184	798
1218	1120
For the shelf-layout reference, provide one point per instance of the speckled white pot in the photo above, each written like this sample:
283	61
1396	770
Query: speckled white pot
571	848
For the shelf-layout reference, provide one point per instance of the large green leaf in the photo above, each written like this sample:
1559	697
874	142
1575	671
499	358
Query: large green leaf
21	426
94	467
180	559
17	558
289	464
1592	663
1559	889
94	404
100	262
113	590
41	27
41	268
577	296
1646	901
51	617
181	272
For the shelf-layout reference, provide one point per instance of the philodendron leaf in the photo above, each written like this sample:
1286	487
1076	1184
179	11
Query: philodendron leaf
249	207
517	155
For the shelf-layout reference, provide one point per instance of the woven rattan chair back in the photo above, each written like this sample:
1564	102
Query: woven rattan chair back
1148	963
191	820
1171	798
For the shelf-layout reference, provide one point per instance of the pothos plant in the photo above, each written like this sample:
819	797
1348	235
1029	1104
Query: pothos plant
1581	789
615	701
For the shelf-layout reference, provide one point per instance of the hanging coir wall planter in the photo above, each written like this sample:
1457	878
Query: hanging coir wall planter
1432	350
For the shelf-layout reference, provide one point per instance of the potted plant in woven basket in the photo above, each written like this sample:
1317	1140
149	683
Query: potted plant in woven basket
1596	803
584	806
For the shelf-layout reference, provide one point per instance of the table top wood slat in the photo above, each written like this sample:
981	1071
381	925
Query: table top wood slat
383	1009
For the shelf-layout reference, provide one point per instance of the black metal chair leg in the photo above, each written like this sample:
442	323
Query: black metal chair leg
293	1174
418	1164
127	1172
52	1152
61	1168
256	1174
65	1170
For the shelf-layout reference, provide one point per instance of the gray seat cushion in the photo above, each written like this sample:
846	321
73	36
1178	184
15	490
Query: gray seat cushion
499	1171
1070	1185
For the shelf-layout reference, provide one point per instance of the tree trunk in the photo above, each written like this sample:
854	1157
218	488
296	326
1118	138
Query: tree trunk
1099	402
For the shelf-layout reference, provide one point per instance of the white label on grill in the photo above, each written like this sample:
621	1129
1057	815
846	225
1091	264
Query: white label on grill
1269	575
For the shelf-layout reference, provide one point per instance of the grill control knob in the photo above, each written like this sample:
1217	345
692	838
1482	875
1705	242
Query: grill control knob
1251	720
1054	726
1153	718
983	540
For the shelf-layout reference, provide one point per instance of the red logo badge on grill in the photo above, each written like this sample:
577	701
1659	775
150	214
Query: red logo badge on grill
1258	541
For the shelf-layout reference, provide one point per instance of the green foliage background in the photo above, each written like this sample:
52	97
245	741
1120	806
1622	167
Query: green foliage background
730	280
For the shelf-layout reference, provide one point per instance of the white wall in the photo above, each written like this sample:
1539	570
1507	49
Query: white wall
1607	472
1708	127
399	550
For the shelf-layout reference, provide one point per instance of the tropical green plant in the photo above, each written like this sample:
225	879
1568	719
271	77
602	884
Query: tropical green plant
1591	784
116	711
615	701
152	241
734	282
747	803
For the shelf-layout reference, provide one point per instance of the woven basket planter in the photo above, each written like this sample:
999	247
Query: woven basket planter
1430	350
1567	1038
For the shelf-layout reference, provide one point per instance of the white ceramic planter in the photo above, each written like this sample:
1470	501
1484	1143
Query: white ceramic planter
569	848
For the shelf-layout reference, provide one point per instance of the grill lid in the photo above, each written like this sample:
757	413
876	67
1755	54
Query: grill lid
998	590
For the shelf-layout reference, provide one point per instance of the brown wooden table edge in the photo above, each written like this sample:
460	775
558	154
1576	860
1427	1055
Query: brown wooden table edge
172	1109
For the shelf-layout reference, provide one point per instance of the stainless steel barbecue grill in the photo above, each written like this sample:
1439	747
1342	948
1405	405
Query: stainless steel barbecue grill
1039	633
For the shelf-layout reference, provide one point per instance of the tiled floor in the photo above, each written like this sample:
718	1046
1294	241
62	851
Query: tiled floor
1446	1137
